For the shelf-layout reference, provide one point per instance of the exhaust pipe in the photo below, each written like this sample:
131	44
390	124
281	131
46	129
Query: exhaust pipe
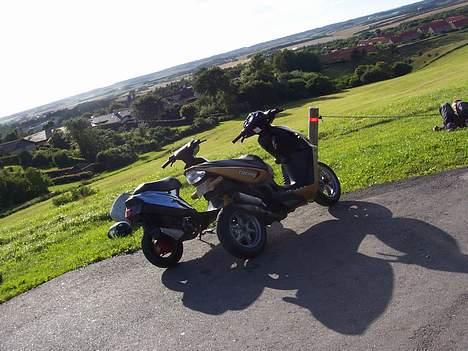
268	216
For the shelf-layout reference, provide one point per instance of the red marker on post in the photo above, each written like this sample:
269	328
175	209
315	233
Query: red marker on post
313	125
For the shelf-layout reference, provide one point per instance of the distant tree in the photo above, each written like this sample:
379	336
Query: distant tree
209	81
25	158
189	111
50	124
38	182
149	107
307	61
13	135
116	105
284	60
59	140
61	159
85	137
258	69
373	73
320	85
296	88
259	93
288	60
40	160
116	157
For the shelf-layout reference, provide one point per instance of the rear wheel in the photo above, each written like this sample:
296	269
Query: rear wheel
241	233
329	186
163	252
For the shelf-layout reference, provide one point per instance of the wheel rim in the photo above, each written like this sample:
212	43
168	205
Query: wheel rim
163	247
245	229
328	183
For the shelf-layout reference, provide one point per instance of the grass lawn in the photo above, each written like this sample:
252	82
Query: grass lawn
43	241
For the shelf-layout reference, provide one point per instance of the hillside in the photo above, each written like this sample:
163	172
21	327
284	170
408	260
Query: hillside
43	241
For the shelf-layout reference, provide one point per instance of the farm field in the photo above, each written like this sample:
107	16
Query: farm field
44	241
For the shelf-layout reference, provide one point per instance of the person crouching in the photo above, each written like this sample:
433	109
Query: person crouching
454	116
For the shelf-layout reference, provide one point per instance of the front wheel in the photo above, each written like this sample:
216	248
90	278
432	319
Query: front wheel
329	186
162	251
241	233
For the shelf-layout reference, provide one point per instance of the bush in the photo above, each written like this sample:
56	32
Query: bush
373	73
116	157
73	195
200	125
401	68
62	159
72	178
41	160
18	186
320	85
189	111
296	88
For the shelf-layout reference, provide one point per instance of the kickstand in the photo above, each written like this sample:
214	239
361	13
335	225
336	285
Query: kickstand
206	231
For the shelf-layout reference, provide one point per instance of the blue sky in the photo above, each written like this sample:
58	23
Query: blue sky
52	49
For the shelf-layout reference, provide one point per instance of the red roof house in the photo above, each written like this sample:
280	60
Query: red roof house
455	18
459	23
435	27
408	36
341	55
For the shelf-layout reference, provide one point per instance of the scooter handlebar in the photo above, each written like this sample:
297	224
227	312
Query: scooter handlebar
236	139
168	162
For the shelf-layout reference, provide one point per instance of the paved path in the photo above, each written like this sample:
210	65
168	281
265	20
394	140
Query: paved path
384	270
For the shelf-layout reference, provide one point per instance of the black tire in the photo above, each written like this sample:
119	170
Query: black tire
329	186
241	233
163	252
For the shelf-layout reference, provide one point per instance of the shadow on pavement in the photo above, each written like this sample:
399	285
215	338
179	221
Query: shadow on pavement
343	289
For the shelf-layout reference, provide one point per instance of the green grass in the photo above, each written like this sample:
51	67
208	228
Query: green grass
43	241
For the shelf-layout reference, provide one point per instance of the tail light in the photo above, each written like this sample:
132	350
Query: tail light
129	213
132	211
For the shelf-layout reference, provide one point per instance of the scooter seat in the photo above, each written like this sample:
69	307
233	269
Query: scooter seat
166	184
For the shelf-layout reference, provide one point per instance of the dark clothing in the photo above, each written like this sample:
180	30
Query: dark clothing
293	151
461	109
449	116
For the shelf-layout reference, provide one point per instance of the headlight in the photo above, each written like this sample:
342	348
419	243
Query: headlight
194	177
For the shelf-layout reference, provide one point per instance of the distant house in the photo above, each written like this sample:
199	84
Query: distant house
439	27
455	18
114	120
40	138
435	27
406	36
457	22
182	95
338	55
16	147
375	41
424	28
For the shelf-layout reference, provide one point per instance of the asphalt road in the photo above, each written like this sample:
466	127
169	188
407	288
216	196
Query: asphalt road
384	270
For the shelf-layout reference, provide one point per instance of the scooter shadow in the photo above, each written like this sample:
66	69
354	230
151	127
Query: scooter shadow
343	289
